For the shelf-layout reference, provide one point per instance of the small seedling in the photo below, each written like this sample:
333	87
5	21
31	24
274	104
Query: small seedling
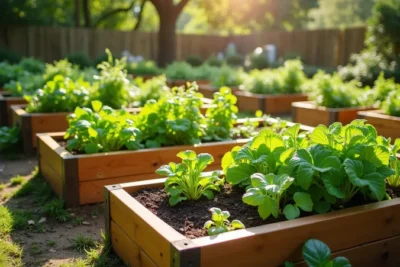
81	243
220	223
77	221
17	180
51	243
55	209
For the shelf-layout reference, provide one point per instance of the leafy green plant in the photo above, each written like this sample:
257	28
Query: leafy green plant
214	61
9	56
113	84
61	67
332	92
9	72
194	61
258	59
55	209
288	79
394	180
101	130
227	76
317	254
32	65
9	138
219	222
82	243
314	172
235	60
25	84
382	88
175	120
180	71
392	104
61	94
146	67
186	181
154	88
80	59
204	72
221	116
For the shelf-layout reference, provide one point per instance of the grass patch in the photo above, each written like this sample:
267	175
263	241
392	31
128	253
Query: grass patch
2	186
10	254
55	209
35	249
51	243
77	221
17	180
81	243
20	219
75	263
6	222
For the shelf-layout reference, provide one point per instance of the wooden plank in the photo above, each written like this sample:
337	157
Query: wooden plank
260	244
249	102
380	253
387	126
142	227
282	104
47	123
130	253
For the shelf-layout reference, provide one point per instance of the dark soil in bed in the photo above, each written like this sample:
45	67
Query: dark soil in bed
188	217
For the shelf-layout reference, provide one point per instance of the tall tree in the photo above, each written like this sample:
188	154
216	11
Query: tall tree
86	13
168	13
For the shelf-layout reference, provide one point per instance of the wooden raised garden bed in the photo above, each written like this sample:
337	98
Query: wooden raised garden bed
386	125
208	91
33	123
308	113
269	104
6	101
79	179
367	235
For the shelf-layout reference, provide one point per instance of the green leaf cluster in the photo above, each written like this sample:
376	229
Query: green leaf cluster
394	180
227	76
221	116
9	138
219	222
154	88
317	172
145	67
101	130
287	79
63	68
9	72
184	71
317	254
62	94
32	65
185	181
26	84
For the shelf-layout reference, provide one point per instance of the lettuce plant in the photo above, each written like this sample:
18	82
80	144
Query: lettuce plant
394	180
392	104
154	88
25	84
219	222
101	130
32	65
9	72
61	67
326	168
186	181
227	76
143	68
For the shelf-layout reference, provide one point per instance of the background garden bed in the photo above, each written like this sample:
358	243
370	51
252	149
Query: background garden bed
386	125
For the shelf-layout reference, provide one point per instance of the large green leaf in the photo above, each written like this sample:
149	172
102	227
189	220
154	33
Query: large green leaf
239	173
291	212
253	197
341	262
320	135
316	253
203	160
303	201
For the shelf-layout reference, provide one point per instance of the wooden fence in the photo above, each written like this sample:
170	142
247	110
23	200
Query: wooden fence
318	47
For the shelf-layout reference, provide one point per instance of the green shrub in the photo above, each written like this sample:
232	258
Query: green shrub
235	60
80	59
9	72
8	56
32	65
257	59
214	61
100	59
204	72
25	84
9	139
143	68
194	61
180	71
151	89
61	67
392	104
227	76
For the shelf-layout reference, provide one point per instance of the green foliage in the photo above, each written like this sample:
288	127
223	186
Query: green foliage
32	65
146	67
194	61
55	209
82	243
220	223
317	254
8	56
186	181
175	120
257	59
80	59
394	180
180	71
291	172
227	76
61	67
154	88
221	116
10	139
332	92
100	59
101	130
9	72
235	60
10	254
61	94
284	80
113	84
24	84
214	61
392	104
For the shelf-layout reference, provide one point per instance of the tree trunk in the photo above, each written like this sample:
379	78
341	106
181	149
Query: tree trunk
77	13
167	37
86	13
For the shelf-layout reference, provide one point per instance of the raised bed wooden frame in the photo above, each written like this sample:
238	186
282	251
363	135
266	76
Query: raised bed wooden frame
307	113
79	179
269	104
385	125
6	101
367	235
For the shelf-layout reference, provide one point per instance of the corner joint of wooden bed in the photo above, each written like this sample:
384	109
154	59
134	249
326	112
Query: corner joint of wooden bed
185	253
107	214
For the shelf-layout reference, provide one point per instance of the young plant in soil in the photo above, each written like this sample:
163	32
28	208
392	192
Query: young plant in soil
186	180
220	223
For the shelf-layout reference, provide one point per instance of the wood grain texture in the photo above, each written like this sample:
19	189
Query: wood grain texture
380	253
150	233
308	113
387	126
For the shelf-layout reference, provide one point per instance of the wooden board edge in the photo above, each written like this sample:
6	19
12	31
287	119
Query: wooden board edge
107	217
26	134
70	182
3	112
